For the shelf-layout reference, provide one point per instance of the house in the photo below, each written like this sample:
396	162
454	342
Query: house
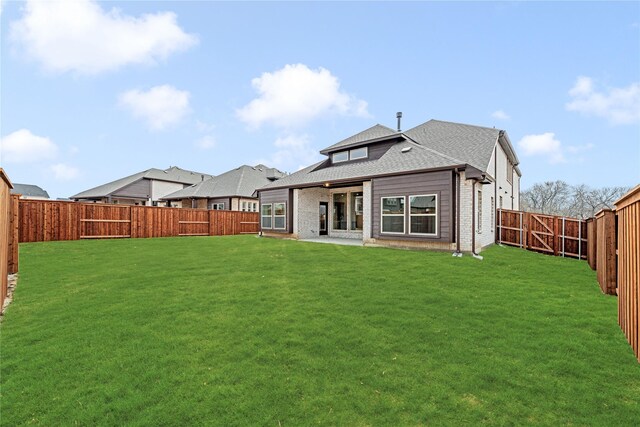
233	190
143	188
434	186
29	191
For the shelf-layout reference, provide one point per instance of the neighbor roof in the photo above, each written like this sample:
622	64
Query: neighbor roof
239	182
29	190
433	145
172	174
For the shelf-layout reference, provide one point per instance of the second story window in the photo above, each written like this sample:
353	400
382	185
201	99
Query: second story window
345	156
341	156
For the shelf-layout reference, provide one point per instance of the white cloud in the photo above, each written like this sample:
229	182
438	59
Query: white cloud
617	105
500	115
63	172
160	106
544	144
293	152
206	142
22	146
204	126
294	95
81	36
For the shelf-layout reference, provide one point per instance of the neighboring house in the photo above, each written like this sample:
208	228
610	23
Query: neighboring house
434	186
233	190
28	191
143	188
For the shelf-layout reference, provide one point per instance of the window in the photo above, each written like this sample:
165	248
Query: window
279	216
217	206
355	211
266	216
244	206
392	210
341	156
255	206
493	214
340	211
479	211
509	172
358	153
500	202
423	214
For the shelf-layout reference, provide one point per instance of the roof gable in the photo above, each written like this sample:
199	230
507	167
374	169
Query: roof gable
29	190
376	132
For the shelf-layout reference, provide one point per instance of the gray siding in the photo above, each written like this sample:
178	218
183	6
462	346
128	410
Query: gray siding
140	190
377	150
225	200
439	183
280	196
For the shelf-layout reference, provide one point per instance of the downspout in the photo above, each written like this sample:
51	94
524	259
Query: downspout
458	253
495	187
473	218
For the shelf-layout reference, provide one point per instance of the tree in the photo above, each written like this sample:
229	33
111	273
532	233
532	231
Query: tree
560	198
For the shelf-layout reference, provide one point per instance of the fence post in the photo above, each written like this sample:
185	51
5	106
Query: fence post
580	239
499	226
521	231
563	232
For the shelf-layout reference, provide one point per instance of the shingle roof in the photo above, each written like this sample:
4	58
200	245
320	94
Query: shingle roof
172	174
29	190
242	182
434	144
393	161
374	132
471	144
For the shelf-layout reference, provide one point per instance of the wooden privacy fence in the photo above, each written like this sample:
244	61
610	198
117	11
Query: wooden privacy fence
554	235
628	215
5	235
605	250
43	220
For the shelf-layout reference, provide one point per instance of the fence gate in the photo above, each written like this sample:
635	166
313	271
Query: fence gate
547	234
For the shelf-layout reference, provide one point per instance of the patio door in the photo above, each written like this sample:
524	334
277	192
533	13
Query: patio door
324	209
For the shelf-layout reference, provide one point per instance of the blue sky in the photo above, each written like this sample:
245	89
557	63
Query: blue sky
94	91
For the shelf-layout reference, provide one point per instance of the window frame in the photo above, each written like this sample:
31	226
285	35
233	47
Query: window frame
403	215
435	215
263	216
334	160
218	206
366	153
284	216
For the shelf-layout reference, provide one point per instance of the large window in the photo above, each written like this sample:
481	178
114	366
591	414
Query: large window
356	213
266	216
279	216
339	211
392	214
423	214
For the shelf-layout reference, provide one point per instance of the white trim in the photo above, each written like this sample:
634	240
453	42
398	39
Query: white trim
333	157
284	227
366	153
435	215
403	215
270	216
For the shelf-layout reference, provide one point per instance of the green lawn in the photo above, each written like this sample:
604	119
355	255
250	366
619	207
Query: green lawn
249	331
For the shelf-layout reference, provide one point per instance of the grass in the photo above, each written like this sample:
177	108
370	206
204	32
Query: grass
247	331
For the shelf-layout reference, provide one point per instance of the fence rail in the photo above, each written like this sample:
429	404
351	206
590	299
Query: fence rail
43	220
548	234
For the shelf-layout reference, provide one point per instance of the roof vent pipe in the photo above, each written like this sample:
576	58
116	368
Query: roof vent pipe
399	117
